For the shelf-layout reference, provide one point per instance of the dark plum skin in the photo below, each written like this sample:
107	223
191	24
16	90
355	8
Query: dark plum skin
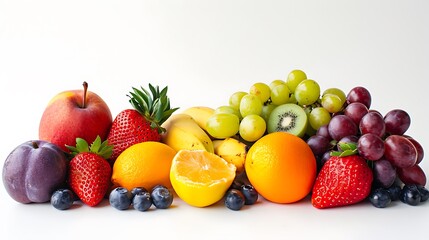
33	171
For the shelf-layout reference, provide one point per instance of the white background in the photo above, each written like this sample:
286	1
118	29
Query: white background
204	51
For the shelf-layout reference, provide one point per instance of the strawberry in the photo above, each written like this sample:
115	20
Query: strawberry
89	171
343	180
143	123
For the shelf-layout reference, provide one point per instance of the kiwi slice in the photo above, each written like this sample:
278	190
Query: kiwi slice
289	118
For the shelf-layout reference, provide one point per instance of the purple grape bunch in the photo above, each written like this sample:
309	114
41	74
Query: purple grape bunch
381	140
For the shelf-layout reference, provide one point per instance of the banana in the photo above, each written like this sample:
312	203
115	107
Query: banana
182	132
232	151
200	114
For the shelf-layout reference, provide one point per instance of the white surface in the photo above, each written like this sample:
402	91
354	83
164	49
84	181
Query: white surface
204	51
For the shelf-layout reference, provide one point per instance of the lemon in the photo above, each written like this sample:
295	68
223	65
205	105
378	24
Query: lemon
145	164
200	178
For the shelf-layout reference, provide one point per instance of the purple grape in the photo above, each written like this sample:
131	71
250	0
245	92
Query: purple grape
397	122
375	111
370	146
325	157
349	139
356	111
412	175
319	144
341	126
323	131
419	148
400	151
372	122
384	173
359	94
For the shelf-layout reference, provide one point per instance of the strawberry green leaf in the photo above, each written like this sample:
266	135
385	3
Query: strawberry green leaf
95	146
82	145
102	149
347	149
347	146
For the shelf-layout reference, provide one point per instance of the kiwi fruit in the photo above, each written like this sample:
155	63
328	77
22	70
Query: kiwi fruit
289	118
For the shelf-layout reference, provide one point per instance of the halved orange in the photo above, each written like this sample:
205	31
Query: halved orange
200	178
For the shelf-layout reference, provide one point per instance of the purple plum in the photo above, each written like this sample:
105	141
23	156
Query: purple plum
34	170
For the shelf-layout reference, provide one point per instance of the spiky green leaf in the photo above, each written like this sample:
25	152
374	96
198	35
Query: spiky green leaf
347	149
152	104
98	147
154	91
82	145
95	146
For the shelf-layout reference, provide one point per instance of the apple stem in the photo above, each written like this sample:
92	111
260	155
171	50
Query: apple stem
85	90
35	144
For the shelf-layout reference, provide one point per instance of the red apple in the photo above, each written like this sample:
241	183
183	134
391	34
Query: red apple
72	114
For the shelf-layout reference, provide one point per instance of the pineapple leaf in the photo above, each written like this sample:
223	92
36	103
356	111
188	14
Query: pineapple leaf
143	96
152	104
168	113
164	91
138	102
154	91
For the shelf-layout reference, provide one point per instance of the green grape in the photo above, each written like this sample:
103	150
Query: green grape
294	78
235	98
250	104
266	111
292	99
318	117
310	131
275	83
228	109
336	91
223	125
332	103
252	127
307	92
261	90
280	94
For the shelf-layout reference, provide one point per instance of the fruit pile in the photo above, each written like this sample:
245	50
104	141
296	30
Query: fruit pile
333	124
283	141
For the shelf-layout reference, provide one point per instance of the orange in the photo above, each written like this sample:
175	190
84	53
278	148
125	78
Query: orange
143	164
200	178
281	167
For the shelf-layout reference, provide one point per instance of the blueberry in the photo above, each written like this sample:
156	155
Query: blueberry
394	192
162	198
137	190
120	198
410	195
380	198
142	201
62	199
234	199
424	193
250	194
